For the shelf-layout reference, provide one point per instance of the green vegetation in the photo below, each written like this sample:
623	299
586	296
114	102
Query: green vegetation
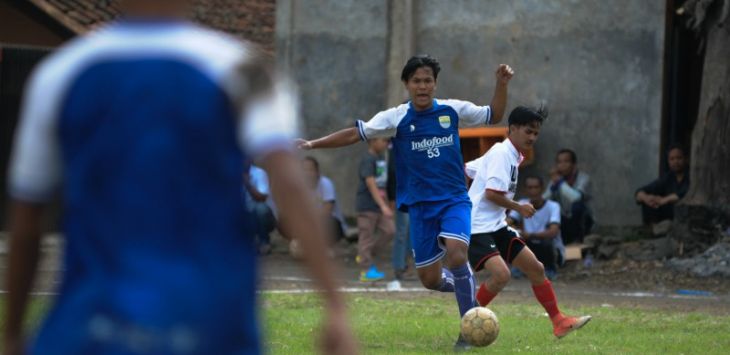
427	324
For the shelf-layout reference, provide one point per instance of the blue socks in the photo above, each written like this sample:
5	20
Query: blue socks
447	281
464	288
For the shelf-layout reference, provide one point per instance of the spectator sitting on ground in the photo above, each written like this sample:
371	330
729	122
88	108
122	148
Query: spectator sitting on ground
373	212
324	191
542	230
657	199
256	191
571	189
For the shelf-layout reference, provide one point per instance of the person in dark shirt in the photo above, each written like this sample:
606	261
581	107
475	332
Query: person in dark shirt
657	199
373	212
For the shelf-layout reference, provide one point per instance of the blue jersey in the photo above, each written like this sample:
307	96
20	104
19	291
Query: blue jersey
429	165
142	126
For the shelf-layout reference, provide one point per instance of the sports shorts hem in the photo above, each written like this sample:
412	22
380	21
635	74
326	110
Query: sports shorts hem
458	237
431	261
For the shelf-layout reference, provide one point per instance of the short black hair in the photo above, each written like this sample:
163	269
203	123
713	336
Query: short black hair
573	157
536	177
314	161
523	115
679	146
418	61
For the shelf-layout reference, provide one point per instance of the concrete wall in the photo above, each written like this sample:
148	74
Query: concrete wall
336	52
598	65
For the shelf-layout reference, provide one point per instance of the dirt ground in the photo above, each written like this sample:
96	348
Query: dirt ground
615	283
611	283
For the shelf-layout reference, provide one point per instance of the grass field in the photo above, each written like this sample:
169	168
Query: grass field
427	325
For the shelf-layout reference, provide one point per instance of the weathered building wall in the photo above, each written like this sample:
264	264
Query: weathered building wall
597	64
336	52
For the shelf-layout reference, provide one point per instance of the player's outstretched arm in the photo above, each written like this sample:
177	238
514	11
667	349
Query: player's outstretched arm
25	235
499	100
341	138
298	208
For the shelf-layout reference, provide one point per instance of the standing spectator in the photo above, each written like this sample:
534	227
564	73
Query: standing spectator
256	191
657	199
571	189
541	231
402	240
373	212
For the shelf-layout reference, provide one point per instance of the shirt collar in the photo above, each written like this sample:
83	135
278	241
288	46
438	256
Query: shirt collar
514	150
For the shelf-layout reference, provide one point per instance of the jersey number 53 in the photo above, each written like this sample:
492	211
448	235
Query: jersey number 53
433	153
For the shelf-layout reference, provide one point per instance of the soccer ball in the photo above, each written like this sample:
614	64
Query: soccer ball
480	326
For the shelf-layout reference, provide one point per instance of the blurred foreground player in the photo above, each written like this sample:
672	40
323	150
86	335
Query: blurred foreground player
143	125
493	243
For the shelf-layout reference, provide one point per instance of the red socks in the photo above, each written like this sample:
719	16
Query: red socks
484	296
546	296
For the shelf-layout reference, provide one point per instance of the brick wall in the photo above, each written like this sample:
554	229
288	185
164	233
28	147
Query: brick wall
250	19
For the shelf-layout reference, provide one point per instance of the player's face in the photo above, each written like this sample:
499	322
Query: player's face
421	87
533	188
564	164
676	160
524	137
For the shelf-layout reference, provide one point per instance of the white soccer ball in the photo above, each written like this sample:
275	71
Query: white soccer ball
480	326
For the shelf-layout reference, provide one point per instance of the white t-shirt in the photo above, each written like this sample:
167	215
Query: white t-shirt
497	171
548	214
544	217
259	180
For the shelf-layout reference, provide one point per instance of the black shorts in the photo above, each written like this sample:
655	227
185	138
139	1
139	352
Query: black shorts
505	242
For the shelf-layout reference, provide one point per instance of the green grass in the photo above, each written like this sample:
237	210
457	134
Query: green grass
426	324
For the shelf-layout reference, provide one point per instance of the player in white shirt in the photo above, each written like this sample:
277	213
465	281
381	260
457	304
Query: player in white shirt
493	243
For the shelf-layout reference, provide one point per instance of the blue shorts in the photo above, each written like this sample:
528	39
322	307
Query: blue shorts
431	222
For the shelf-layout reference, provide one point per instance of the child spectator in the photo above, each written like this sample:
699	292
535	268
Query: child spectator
371	204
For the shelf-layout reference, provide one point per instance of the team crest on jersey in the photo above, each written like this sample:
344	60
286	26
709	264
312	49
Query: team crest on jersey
445	121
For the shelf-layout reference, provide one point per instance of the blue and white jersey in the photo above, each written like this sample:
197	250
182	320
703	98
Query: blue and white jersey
429	165
144	128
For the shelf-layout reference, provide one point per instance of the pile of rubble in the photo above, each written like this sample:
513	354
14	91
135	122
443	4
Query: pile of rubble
715	261
656	246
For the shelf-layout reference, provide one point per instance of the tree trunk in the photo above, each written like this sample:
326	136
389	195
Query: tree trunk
704	213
